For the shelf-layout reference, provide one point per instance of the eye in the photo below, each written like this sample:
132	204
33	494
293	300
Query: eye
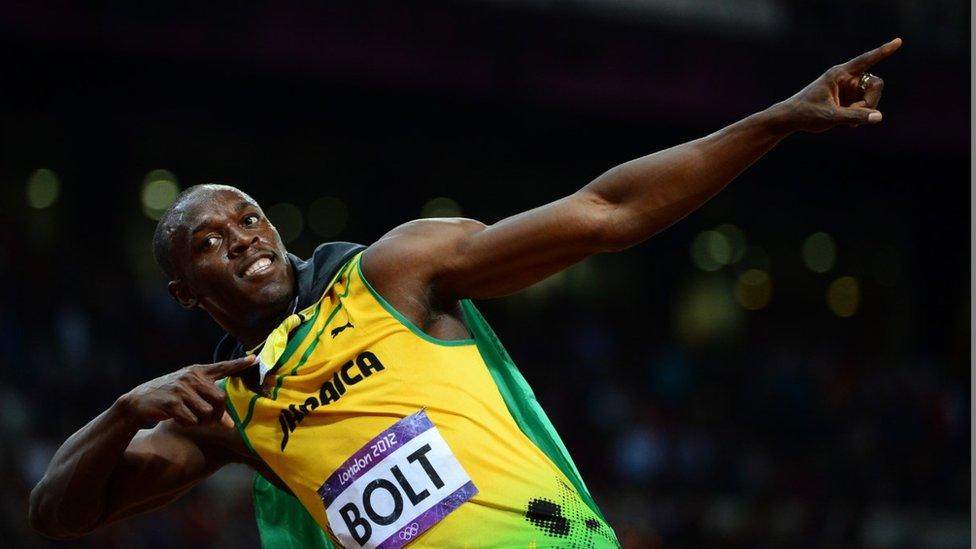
209	242
251	219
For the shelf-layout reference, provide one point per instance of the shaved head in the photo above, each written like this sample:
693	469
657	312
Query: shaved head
173	226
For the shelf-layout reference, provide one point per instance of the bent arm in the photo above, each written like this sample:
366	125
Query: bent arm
110	470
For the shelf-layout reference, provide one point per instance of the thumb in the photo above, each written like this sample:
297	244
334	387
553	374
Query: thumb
226	420
859	115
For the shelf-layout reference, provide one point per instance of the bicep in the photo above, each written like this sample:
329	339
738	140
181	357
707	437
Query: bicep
461	258
159	466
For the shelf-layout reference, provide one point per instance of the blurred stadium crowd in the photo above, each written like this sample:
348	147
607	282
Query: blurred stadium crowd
788	367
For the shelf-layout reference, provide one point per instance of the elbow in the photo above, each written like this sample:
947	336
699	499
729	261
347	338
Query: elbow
40	514
37	516
41	517
604	228
605	213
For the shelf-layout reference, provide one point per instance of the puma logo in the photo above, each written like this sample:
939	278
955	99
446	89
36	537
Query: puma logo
339	330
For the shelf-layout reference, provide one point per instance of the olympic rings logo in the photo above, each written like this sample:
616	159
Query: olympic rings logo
409	532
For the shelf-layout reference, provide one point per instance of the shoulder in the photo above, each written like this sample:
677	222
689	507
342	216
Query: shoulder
435	229
422	244
404	265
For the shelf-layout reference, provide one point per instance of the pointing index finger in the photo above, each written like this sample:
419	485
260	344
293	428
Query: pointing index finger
864	61
223	369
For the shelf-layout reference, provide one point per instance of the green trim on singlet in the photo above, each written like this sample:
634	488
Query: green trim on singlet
308	352
521	401
293	344
318	335
403	320
296	341
283	522
250	409
229	405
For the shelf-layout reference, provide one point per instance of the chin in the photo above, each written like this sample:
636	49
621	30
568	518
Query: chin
273	295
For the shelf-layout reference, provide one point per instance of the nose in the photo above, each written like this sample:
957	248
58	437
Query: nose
240	241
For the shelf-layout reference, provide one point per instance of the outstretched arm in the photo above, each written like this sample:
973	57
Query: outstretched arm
455	258
109	469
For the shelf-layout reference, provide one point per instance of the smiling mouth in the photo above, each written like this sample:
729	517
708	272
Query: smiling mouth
259	266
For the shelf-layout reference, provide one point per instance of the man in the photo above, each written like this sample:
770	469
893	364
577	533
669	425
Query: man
376	404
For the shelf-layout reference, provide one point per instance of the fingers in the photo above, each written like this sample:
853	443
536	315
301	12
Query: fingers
215	397
202	410
182	414
864	61
872	94
223	369
858	115
197	395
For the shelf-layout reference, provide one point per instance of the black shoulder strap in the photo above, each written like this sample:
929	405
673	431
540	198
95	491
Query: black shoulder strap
312	275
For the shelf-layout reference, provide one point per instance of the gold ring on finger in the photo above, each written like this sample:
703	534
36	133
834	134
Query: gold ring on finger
862	83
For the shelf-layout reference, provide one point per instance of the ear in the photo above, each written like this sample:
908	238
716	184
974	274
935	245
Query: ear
182	293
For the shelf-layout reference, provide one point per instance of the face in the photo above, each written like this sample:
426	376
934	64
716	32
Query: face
231	259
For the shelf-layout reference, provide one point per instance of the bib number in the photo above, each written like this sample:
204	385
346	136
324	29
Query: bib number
396	487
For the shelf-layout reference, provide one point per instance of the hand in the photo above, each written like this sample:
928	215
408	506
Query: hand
189	396
835	98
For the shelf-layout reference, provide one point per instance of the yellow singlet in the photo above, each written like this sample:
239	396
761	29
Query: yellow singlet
388	436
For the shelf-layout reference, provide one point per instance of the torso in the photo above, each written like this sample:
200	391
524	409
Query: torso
310	424
441	324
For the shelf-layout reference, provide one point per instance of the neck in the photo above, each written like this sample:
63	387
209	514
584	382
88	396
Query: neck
257	331
251	331
247	327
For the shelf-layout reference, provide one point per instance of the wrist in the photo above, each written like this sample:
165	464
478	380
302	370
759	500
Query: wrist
125	412
779	119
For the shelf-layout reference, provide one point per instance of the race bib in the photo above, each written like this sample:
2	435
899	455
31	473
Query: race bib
397	486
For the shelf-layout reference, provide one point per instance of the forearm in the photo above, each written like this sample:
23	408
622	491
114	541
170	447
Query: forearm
71	498
648	194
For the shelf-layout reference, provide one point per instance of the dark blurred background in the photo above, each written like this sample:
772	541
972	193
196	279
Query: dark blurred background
787	367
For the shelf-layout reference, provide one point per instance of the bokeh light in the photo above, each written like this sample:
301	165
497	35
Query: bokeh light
441	207
736	239
287	218
159	189
754	289
710	251
705	313
844	296
328	216
43	188
819	252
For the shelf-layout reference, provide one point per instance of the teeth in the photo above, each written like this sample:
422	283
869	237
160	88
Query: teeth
258	265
